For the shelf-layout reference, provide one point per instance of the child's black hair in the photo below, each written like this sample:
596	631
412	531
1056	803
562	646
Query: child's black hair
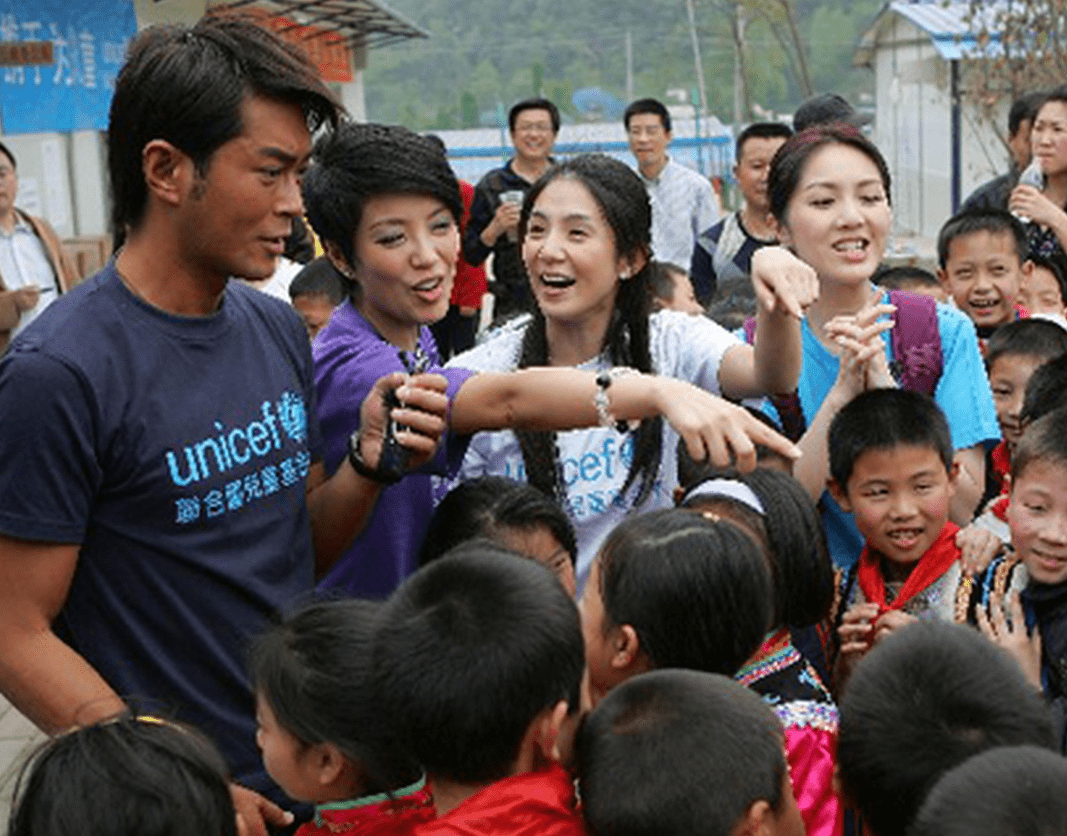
314	669
124	777
1044	440
1046	390
1056	264
321	278
921	702
661	280
676	753
471	649
801	571
971	221
904	277
482	506
881	419
697	591
1016	790
1027	337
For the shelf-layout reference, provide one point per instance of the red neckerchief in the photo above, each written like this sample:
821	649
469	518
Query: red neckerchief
1001	459
942	553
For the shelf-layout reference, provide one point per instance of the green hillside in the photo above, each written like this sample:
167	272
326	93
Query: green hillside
482	52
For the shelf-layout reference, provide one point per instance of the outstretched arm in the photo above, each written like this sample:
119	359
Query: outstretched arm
785	286
565	398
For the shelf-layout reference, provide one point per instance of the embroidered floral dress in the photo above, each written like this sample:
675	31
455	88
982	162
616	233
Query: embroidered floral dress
789	684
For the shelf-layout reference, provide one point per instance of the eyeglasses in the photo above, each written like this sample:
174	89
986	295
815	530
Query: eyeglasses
534	128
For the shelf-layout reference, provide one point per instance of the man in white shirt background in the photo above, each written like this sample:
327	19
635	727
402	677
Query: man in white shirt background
683	202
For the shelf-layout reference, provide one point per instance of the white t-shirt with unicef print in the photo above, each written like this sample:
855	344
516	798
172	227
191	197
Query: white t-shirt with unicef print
596	460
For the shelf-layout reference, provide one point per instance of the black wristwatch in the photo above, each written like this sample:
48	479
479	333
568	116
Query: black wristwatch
364	469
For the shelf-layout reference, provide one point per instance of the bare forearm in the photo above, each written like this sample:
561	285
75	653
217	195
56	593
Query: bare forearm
778	351
548	399
339	508
50	683
812	469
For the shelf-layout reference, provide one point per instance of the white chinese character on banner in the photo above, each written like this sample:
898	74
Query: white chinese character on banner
9	31
87	41
64	68
30	32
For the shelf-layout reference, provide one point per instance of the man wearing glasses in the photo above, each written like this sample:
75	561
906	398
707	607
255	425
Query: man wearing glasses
34	270
494	221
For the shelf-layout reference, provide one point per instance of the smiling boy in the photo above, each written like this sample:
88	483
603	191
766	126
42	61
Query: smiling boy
982	256
1032	626
891	467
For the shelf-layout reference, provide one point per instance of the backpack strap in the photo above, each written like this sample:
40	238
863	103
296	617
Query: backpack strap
790	412
918	360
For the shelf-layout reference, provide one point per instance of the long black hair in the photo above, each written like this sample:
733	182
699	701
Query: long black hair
622	198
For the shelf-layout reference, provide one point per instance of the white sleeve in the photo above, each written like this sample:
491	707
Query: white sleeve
689	347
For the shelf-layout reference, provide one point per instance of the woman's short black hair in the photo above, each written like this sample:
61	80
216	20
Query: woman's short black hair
359	161
127	776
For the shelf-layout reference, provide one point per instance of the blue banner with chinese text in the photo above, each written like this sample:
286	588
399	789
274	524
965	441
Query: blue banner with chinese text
73	93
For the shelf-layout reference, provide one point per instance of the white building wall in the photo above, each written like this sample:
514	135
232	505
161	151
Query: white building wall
913	128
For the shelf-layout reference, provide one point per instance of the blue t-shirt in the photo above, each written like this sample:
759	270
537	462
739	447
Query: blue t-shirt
174	450
962	393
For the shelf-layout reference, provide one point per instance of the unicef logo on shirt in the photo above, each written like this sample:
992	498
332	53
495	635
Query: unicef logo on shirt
260	442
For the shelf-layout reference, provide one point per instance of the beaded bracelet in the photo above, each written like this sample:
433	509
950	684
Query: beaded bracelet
603	403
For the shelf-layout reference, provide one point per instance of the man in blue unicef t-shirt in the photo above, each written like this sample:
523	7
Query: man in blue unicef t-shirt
160	482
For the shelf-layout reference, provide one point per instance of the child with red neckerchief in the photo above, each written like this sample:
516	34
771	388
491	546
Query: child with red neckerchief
891	467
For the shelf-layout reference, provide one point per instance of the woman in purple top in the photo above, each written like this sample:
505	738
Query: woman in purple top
387	207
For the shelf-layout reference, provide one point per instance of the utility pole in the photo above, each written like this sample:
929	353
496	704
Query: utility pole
696	59
739	67
629	66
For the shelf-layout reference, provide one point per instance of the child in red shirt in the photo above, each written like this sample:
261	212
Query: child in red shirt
479	662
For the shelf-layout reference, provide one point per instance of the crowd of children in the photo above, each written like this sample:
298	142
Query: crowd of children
600	618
